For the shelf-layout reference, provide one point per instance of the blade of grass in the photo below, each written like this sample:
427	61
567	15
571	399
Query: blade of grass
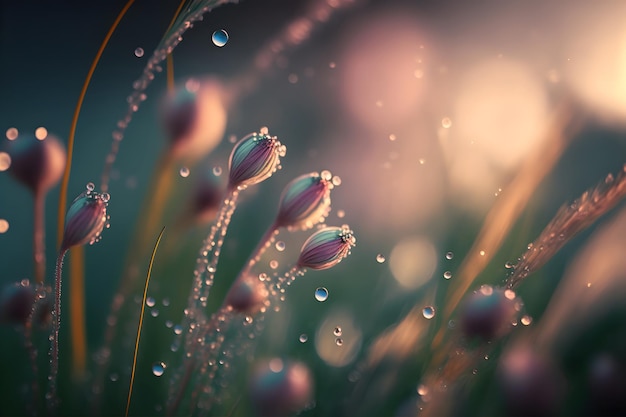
143	308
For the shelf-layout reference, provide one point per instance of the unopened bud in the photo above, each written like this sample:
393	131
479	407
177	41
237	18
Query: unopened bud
326	248
253	159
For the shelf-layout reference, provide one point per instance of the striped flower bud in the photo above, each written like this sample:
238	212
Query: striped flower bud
37	163
326	248
85	218
253	159
304	202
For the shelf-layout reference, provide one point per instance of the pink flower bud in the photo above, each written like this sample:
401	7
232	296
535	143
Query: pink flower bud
85	218
36	163
326	248
253	159
304	202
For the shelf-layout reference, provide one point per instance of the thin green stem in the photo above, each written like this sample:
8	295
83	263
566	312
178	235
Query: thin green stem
56	324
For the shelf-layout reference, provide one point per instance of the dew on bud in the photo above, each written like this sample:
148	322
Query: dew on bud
254	159
339	341
326	248
305	201
85	218
280	246
219	38
428	312
321	294
158	368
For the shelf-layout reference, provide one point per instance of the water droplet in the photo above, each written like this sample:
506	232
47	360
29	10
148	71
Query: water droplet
158	368
184	172
449	255
114	377
482	253
446	122
178	329
339	341
422	389
447	275
526	320
428	312
280	246
337	331
105	197
303	338
508	265
273	264
139	52
392	137
4	226
219	38
150	301
217	171
154	313
321	294
90	187
336	181
380	258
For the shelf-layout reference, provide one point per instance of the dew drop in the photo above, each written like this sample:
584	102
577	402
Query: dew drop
339	341
217	171
447	275
321	294
139	52
380	258
428	312
158	368
114	377
280	246
219	38
303	338
337	331
422	390
446	122
178	329
508	265
273	264
392	137
90	187
184	172
449	255
150	301
526	320
105	197
482	253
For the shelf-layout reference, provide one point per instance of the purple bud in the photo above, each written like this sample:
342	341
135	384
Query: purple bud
16	303
253	159
36	163
487	312
280	389
326	248
206	199
247	295
304	201
85	218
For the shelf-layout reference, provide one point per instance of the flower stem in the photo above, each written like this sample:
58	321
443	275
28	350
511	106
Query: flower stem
265	242
54	349
39	251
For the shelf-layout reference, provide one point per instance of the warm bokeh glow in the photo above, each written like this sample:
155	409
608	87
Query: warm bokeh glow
413	262
5	161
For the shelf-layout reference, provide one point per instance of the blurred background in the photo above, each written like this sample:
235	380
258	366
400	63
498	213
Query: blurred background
426	110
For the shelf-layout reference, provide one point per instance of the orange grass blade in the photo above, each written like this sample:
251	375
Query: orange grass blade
143	308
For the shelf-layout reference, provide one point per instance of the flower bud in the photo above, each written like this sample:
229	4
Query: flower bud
487	313
206	199
253	159
85	218
280	389
37	163
326	248
304	201
247	295
16	303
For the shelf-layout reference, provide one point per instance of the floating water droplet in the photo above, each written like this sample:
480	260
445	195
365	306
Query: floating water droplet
526	320
154	313
114	377
184	172
422	389
158	368
150	301
339	341
280	246
303	338
446	122
509	265
321	294
219	38
380	258
447	275
139	52
217	171
392	137
337	331
428	312
449	255
273	264
178	329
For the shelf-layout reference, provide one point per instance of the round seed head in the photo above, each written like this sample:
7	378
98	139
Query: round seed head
85	219
253	159
326	248
247	295
16	303
194	118
279	389
487	313
206	199
38	164
305	201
